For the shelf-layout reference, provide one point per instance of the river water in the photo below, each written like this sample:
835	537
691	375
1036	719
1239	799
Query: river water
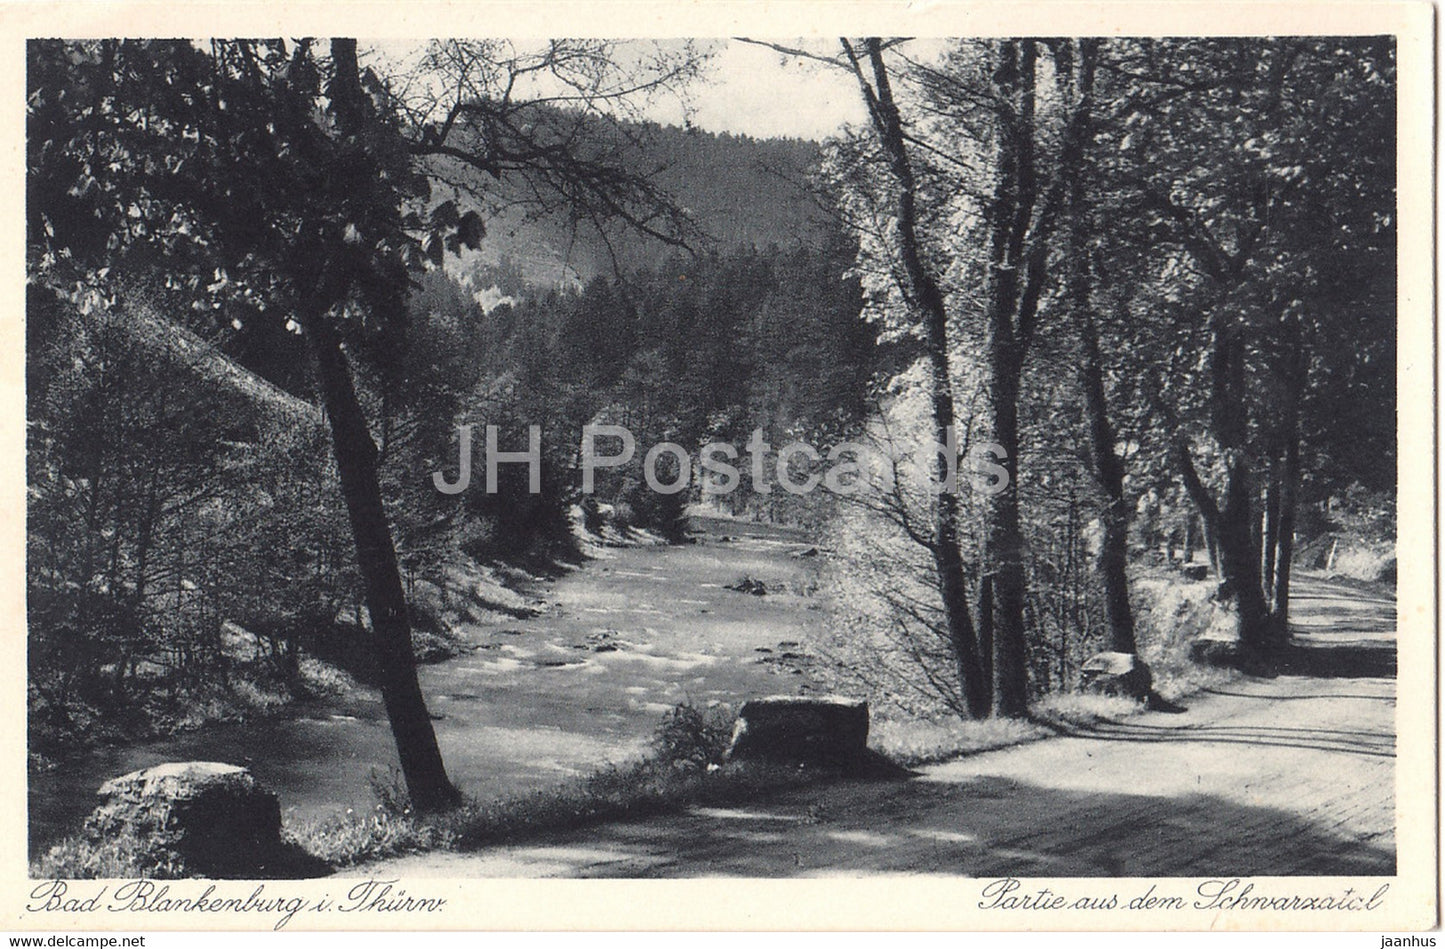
629	634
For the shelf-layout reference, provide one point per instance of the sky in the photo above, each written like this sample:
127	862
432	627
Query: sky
745	89
760	92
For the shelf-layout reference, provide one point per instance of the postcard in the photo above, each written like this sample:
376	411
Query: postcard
718	466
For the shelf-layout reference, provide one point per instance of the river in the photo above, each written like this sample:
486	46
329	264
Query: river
628	635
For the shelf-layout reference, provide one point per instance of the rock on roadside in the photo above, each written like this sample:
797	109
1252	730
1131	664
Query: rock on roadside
215	816
822	730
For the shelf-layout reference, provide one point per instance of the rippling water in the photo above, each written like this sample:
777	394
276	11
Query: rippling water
631	634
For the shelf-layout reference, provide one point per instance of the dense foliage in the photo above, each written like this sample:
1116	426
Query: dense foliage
267	290
209	225
1159	275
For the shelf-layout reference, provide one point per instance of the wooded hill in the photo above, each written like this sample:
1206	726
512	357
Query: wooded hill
741	192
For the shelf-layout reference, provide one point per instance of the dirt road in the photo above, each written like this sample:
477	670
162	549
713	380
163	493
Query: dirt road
1286	776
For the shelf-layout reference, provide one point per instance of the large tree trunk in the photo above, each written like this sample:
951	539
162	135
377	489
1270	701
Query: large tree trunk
985	631
949	564
1270	533
1232	530
1003	540
924	294
1238	553
1288	493
1288	499
1113	560
1010	292
1022	218
1239	557
356	465
416	743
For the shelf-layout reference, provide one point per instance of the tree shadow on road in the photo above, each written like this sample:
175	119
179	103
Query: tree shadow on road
1335	635
1359	659
984	826
1348	741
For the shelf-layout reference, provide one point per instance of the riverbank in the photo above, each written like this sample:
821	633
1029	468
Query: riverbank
684	768
604	650
552	720
258	700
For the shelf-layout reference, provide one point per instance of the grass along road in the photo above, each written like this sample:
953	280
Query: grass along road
1286	776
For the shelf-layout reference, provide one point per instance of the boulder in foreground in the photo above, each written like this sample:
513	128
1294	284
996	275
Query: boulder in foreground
214	816
821	730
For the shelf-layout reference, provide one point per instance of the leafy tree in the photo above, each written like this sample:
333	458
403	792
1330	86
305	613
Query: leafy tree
276	171
1008	137
1260	176
918	285
286	180
1195	216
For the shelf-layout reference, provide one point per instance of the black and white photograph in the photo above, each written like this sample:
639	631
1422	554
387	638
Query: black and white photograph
991	459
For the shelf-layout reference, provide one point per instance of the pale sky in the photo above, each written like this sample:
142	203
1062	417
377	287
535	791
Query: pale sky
763	93
747	89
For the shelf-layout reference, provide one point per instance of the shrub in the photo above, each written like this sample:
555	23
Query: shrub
689	735
389	789
125	856
1170	615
